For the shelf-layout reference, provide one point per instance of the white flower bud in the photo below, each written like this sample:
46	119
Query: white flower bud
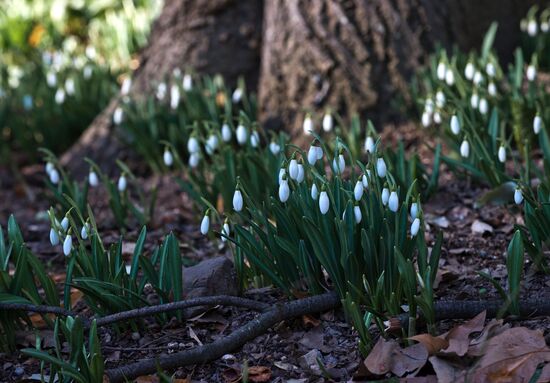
385	196
441	70
205	224
226	133
51	79
319	152
381	167
293	169
174	96
70	86
282	173
84	231
532	28
478	78
54	237
437	117
54	176
308	125
60	96
357	213
490	69
455	125
314	192
126	85
474	100
414	210
531	72
193	145
537	124
242	134
301	174
483	106
65	223
122	183
312	155
393	201
429	106
426	119
194	160
324	202
469	71
440	99
237	95
492	89
415	226
275	148
118	114
465	149
187	82
237	200
168	158
225	231
254	139
328	122
365	180
67	245
450	77
284	191
161	91
358	190
93	179
339	164
518	196
49	167
369	144
502	154
544	26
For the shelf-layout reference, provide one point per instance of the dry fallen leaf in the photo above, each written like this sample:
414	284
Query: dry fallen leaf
387	356
432	344
259	374
479	227
459	337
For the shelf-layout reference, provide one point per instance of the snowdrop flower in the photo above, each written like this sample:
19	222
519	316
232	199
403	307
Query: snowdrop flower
225	231
205	223
122	183
161	91
455	125
187	82
319	152
67	244
308	125
469	71
211	144
193	145
465	149
441	71
254	139
84	231
54	237
544	26
168	157
59	96
65	223
293	169
437	117
478	78
324	202
426	119
393	202
365	180
51	79
537	124
226	133
483	106
93	179
70	86
282	173
415	226
532	27
237	200
87	72
357	214
381	167
237	95
440	99
450	77
474	100
492	89
312	154
174	96
284	191
429	106
194	160
385	196
126	85
414	210
339	164
301	174
490	69
358	190
242	134
502	154
369	144
518	196
314	192
531	72
49	167
118	115
328	122
54	176
274	148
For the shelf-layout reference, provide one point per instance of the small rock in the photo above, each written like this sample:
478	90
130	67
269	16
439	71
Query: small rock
19	371
135	336
480	227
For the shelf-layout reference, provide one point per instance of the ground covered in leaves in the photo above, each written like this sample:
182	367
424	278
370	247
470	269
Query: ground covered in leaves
475	239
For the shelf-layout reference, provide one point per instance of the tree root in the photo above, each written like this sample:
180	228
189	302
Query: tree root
238	338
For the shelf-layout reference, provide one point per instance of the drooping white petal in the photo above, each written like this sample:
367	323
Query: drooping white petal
237	200
324	202
67	245
54	237
385	196
358	190
415	226
284	191
381	168
205	224
122	183
393	201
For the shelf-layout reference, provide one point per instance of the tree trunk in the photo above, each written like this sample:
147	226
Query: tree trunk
356	56
207	36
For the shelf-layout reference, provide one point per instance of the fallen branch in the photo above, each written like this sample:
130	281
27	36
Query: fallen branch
235	340
40	309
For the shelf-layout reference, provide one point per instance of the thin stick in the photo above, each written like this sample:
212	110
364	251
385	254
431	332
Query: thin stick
235	340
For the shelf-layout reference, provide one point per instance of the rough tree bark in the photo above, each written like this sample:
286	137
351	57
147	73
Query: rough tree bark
208	36
357	55
351	55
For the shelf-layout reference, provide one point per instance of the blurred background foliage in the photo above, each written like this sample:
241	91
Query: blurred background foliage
60	63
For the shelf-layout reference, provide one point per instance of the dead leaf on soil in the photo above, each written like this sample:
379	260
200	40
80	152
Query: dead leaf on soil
388	356
459	337
432	343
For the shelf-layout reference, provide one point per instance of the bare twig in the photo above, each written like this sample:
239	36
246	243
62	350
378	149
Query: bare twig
238	338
